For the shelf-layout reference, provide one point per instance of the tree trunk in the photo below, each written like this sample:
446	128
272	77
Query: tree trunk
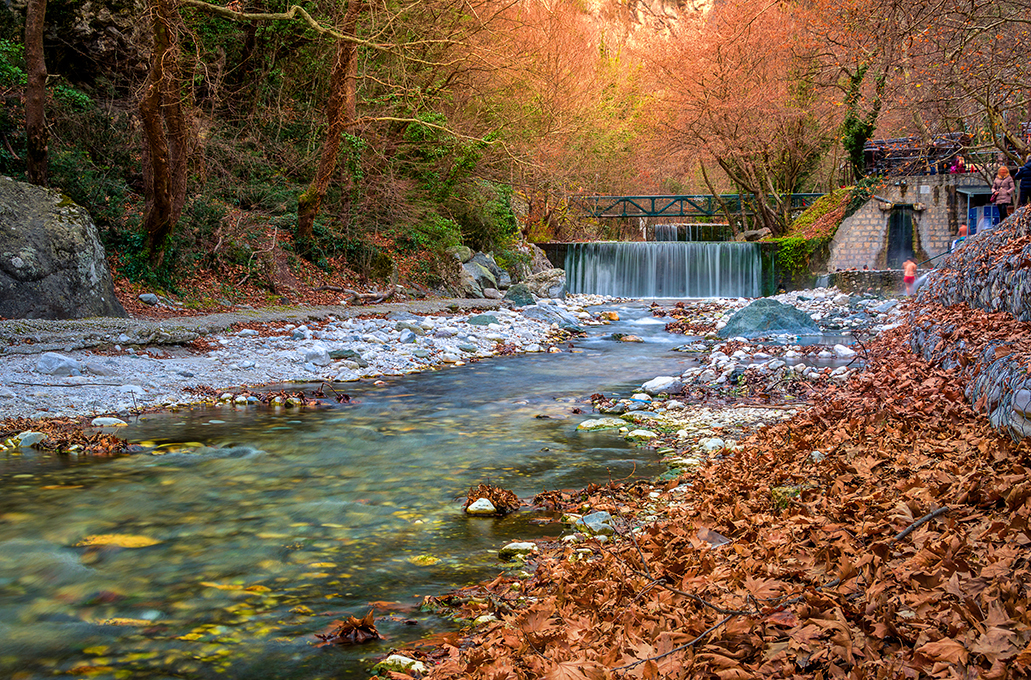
164	134
35	94
341	110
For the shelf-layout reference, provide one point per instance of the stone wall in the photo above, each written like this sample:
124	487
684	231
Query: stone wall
990	271
880	282
938	210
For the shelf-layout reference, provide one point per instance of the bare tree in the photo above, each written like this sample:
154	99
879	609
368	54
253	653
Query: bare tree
341	111
35	93
165	132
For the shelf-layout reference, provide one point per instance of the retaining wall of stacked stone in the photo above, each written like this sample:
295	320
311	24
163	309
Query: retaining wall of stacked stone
992	272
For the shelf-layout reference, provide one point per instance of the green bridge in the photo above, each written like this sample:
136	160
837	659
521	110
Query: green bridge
703	205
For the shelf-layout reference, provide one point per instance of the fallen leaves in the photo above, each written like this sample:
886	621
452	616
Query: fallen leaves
350	631
503	500
901	552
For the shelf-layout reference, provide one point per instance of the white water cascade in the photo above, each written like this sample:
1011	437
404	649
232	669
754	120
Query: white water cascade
664	269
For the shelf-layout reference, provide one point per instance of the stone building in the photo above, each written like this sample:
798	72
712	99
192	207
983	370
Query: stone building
916	216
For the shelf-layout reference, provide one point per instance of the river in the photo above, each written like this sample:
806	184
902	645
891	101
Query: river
226	560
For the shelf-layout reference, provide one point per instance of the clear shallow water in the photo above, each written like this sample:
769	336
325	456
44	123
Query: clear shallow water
300	518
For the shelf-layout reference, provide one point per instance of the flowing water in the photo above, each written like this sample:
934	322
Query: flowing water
664	269
226	560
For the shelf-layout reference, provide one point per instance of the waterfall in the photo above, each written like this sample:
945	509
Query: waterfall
664	269
667	232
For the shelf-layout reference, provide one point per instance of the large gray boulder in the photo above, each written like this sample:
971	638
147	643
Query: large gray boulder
768	317
51	262
480	276
486	261
550	283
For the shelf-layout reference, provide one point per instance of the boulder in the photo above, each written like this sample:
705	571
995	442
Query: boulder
51	261
520	295
486	261
755	235
482	320
768	317
550	283
517	549
52	363
552	314
481	274
461	253
665	383
539	262
467	285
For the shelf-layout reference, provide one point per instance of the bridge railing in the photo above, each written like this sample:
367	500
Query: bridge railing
699	205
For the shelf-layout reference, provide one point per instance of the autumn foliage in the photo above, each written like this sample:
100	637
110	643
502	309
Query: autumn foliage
898	551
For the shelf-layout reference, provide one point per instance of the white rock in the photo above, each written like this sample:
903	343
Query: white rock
600	424
481	506
661	384
28	439
401	664
108	422
713	444
517	548
844	352
52	363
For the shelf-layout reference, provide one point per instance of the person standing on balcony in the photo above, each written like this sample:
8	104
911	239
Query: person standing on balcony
1002	191
959	165
1024	175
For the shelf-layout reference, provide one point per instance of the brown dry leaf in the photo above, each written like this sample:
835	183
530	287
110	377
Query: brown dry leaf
947	650
578	669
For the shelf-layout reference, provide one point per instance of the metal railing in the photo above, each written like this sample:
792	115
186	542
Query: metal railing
699	205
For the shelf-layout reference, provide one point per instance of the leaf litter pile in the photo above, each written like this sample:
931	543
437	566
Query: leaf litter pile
900	549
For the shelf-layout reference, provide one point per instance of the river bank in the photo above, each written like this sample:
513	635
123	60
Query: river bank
117	367
867	534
